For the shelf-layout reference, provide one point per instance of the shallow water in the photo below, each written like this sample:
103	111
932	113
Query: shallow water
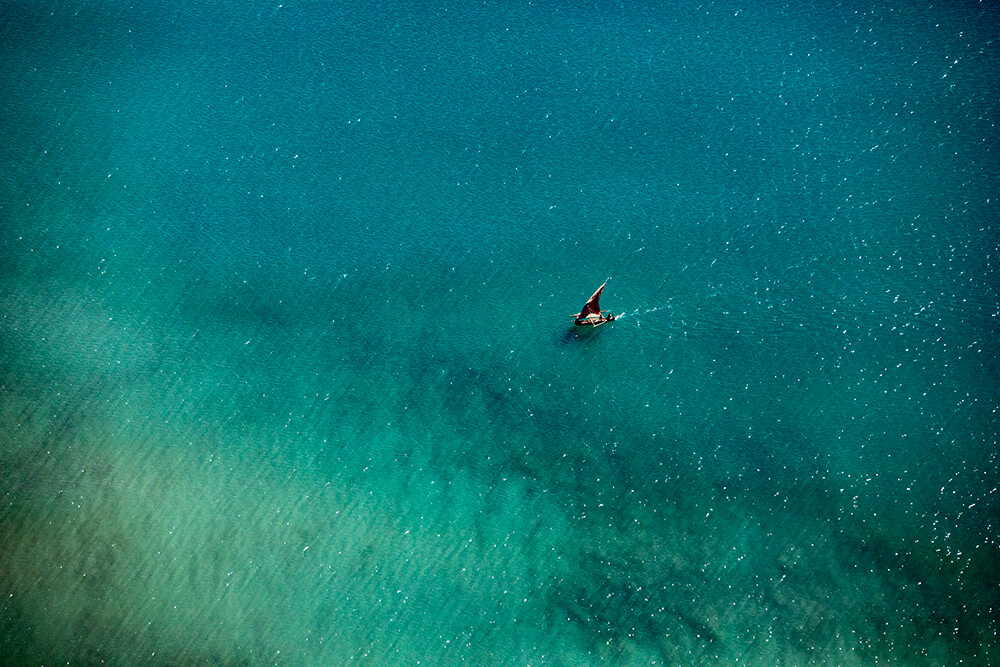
287	374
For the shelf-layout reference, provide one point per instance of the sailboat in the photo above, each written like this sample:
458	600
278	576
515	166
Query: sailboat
592	315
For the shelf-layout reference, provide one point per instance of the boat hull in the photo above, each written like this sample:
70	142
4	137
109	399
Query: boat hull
592	323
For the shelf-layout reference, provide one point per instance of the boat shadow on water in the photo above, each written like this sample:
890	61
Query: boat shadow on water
578	334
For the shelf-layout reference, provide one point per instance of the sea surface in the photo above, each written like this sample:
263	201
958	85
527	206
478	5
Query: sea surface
287	368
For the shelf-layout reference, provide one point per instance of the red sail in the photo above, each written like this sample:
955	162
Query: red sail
592	307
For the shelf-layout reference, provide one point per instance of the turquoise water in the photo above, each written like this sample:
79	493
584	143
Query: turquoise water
287	374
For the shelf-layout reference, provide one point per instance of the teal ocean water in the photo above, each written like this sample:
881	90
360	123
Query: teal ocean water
287	373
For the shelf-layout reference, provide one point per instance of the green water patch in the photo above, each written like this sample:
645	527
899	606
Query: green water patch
232	474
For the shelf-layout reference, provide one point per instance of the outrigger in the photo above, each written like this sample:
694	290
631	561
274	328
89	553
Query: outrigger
592	315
